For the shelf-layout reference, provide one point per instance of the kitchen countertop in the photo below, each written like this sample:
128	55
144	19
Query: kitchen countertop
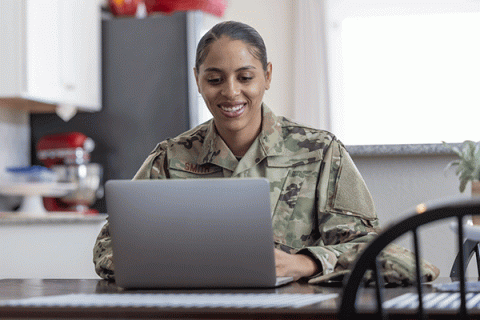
22	218
400	150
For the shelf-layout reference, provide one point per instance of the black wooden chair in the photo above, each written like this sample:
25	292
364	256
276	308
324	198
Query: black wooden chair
368	259
470	247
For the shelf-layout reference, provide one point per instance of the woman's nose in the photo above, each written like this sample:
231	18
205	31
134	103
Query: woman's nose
231	89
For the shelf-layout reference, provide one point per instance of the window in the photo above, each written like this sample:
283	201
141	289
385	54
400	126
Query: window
404	72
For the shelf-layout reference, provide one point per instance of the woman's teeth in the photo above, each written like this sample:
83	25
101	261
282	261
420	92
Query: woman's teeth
232	109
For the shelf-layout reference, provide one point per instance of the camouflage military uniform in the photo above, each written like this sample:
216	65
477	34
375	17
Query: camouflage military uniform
320	204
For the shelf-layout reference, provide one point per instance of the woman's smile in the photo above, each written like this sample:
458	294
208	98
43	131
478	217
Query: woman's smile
232	110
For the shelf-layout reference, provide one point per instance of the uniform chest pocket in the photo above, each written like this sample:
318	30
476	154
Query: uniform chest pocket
288	190
288	177
291	189
294	192
297	197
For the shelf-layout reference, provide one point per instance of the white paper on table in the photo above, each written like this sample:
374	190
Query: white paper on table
434	300
159	300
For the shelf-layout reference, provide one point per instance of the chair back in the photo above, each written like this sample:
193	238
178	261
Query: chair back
368	259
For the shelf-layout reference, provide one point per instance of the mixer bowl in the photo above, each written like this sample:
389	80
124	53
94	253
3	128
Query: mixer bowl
87	178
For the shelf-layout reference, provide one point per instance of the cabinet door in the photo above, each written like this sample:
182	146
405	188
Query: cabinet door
63	52
80	53
11	48
42	50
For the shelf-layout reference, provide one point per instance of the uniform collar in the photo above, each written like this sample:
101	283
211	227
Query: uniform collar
268	143
271	137
216	151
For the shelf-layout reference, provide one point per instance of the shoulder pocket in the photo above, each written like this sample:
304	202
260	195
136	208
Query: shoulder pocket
352	194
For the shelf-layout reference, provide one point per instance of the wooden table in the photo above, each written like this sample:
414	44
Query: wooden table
26	288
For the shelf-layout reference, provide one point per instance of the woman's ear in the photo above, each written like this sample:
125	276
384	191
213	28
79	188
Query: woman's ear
196	78
268	76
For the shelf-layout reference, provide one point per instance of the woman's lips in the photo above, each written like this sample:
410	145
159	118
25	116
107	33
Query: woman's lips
232	110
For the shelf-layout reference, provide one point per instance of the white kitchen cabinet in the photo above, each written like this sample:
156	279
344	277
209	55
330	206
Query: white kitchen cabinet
52	52
11	48
53	246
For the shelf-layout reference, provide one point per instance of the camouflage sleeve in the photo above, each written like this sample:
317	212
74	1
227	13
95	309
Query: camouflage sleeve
348	222
152	168
346	212
102	254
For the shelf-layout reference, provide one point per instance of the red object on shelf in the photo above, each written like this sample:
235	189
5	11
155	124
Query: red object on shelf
57	148
123	7
55	205
61	141
64	150
215	7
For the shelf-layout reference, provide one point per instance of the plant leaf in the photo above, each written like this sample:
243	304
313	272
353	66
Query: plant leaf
451	164
468	165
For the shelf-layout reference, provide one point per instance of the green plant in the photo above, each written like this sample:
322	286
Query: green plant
468	166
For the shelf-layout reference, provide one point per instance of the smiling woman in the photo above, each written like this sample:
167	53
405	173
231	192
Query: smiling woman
232	82
322	211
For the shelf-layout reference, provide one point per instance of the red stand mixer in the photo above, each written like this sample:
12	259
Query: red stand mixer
68	155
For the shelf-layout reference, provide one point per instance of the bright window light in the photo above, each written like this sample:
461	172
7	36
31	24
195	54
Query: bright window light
204	113
409	79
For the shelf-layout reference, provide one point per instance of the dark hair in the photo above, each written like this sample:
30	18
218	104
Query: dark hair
236	31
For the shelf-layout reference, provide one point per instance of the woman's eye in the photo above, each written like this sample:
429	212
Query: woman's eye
214	80
246	78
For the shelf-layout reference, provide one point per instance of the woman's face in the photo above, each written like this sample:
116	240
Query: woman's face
232	82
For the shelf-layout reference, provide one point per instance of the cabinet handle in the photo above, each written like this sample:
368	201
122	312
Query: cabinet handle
69	87
67	30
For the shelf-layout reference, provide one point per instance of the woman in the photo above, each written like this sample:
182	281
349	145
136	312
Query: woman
322	210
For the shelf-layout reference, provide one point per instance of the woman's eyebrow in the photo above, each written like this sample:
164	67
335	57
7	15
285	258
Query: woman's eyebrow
213	69
245	68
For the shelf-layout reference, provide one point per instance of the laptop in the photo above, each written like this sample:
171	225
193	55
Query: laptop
192	233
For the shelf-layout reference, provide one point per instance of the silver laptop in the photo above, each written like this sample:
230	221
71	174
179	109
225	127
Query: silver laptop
193	233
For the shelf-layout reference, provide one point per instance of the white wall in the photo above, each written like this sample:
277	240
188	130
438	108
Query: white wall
399	183
14	145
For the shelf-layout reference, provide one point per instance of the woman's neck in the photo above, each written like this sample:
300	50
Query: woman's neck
239	145
239	142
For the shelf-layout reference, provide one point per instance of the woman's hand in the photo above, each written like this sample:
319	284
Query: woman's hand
294	265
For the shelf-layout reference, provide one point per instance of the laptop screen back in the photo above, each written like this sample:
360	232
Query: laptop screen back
208	233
